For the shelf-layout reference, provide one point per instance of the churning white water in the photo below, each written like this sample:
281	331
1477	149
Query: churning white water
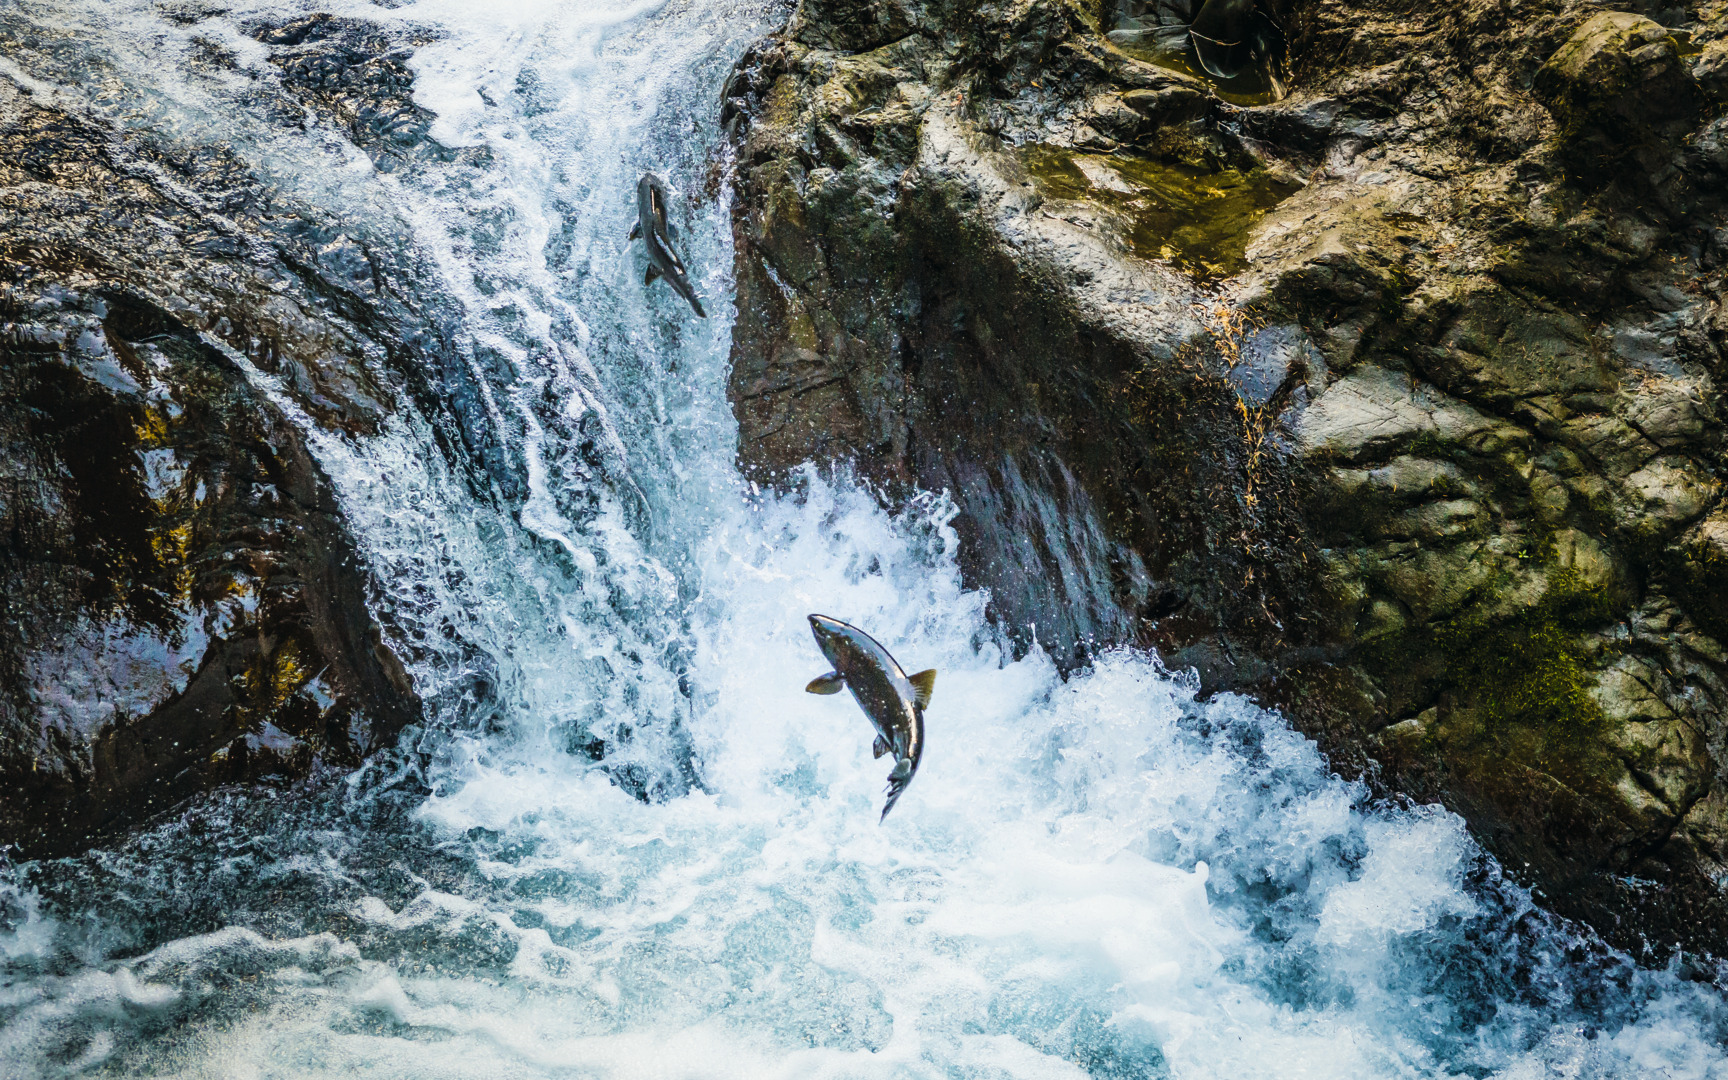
625	844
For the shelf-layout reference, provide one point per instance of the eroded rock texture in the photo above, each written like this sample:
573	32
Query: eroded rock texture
183	605
1393	401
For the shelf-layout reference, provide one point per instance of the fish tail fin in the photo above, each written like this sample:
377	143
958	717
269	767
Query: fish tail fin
897	782
923	685
893	797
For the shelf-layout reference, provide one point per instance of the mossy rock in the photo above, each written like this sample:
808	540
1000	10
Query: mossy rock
1452	525
1617	84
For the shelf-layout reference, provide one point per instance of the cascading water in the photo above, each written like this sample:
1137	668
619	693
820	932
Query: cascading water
1104	877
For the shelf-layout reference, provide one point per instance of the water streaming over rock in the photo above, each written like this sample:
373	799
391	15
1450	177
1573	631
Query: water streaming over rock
625	843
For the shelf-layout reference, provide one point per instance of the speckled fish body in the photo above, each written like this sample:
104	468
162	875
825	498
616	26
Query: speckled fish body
652	227
892	700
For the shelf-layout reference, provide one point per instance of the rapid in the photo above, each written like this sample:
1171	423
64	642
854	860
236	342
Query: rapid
624	843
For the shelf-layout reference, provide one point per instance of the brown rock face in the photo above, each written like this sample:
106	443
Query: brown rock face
184	607
1617	84
1392	400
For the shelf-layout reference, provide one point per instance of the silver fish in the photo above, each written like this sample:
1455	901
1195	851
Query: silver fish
655	232
893	700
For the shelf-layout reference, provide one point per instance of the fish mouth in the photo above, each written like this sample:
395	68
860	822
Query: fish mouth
829	634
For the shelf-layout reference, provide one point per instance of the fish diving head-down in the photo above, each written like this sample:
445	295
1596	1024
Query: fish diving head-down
655	232
893	701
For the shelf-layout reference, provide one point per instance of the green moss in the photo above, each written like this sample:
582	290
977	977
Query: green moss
1197	219
1528	669
1697	579
1523	670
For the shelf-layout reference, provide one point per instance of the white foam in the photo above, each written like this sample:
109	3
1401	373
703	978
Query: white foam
1105	877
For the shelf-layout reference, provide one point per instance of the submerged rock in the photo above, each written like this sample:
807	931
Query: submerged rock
1232	36
1393	402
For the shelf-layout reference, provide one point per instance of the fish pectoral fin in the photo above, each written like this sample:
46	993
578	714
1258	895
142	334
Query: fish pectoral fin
902	770
923	685
652	275
635	231
879	747
831	683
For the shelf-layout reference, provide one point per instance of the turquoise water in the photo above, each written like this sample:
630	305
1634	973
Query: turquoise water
1102	877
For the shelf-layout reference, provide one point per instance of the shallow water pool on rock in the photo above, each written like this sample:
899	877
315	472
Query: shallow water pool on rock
1197	219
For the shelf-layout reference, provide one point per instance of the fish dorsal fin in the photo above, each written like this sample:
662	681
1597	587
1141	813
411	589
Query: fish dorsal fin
923	685
826	684
651	276
636	231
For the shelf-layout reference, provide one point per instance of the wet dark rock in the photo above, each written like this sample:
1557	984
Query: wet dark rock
1617	85
1232	36
353	76
184	606
854	25
1710	70
1424	447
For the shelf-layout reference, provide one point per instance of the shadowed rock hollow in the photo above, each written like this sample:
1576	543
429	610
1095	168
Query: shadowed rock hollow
1391	400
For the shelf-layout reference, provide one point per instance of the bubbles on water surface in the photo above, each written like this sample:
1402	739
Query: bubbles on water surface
1106	877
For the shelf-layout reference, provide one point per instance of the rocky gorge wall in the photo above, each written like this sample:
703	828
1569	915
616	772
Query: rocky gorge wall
185	607
1392	400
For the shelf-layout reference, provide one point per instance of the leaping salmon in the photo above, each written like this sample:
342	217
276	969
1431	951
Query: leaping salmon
893	700
654	230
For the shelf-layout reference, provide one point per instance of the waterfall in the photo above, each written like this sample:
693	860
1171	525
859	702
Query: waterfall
624	843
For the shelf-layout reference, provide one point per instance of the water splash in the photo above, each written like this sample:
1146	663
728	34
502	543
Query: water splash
625	844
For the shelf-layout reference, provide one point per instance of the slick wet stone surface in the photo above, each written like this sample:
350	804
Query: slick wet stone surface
1446	487
1230	36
